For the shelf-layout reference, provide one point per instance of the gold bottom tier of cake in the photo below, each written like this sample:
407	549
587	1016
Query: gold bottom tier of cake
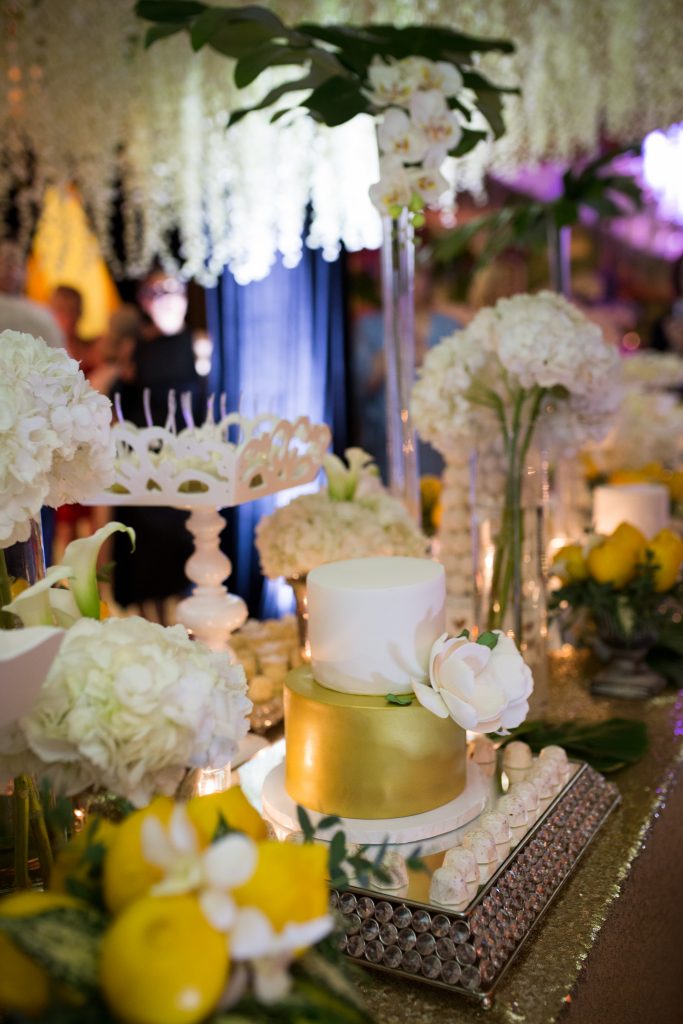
361	757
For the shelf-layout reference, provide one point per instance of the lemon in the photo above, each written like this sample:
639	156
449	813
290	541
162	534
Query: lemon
612	562
127	875
204	812
163	963
667	552
69	862
631	537
24	986
289	883
569	564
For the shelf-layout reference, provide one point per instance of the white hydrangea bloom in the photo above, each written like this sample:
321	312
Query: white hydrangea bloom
55	439
129	705
314	529
521	343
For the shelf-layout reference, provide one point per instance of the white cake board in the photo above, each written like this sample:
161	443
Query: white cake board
437	824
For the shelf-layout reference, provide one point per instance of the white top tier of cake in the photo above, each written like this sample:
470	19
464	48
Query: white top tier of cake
372	622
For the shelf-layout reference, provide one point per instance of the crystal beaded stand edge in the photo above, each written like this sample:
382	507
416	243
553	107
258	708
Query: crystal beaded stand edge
469	951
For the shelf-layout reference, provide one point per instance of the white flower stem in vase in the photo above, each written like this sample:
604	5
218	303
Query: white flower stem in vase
398	297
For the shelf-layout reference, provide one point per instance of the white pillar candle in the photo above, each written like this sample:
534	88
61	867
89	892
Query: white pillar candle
643	505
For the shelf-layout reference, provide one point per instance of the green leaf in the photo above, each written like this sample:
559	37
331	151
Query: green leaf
157	32
328	822
223	828
488	639
168	10
309	81
468	140
402	699
607	746
64	941
465	633
337	100
306	825
236	32
270	55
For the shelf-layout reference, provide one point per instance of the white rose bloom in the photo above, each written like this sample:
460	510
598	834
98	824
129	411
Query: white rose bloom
128	706
482	689
55	441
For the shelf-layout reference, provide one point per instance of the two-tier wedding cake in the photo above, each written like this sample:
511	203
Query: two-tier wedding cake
355	746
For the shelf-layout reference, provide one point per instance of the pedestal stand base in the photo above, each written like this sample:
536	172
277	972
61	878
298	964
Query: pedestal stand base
633	681
434	830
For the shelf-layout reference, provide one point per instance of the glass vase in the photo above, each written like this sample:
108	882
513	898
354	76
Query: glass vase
298	585
509	502
21	565
398	300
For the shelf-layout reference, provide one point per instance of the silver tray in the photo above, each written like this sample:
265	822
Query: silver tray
469	951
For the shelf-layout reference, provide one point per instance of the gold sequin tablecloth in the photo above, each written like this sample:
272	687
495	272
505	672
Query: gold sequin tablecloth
538	986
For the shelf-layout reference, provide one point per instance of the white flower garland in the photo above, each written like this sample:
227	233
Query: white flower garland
81	101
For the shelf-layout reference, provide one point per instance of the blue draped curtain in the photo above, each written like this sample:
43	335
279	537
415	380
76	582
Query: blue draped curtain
278	347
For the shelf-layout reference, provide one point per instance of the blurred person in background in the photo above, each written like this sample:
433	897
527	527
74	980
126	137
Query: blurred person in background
155	353
17	313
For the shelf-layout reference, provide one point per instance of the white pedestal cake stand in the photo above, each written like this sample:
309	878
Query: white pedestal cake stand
199	470
433	830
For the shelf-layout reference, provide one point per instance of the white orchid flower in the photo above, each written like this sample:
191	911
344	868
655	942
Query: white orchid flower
429	183
399	135
343	480
434	120
392	83
81	556
26	655
34	605
392	192
253	938
211	872
482	689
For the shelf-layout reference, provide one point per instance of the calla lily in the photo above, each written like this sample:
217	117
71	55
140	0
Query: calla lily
34	605
25	659
343	480
81	556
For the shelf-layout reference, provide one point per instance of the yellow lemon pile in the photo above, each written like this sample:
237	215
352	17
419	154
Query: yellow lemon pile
653	473
163	958
616	559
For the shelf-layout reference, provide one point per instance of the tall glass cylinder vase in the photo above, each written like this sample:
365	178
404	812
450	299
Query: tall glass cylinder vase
509	519
21	565
559	243
398	296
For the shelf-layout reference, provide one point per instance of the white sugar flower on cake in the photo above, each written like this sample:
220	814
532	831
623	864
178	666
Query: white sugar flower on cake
484	686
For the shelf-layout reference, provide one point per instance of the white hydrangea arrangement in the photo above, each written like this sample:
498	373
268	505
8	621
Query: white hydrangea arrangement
647	430
533	354
353	517
417	130
652	370
527	359
127	707
55	438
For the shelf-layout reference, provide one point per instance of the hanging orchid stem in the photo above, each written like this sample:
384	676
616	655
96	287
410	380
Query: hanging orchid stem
507	564
21	812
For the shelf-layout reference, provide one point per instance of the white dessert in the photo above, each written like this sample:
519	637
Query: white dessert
463	860
483	751
543	781
481	844
515	810
448	887
645	505
558	756
553	769
518	756
373	621
498	824
527	793
393	863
